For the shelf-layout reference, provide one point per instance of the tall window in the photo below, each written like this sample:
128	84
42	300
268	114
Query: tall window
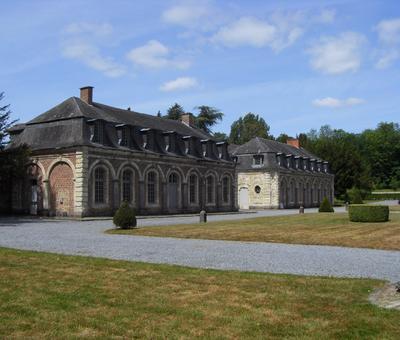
193	189
225	189
151	187
124	136
210	189
127	186
99	185
98	134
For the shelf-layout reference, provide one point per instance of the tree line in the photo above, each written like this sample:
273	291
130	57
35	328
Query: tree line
367	160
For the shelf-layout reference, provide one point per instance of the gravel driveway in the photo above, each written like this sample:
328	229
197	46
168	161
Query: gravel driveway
87	238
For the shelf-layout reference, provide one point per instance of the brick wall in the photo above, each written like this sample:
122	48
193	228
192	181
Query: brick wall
61	190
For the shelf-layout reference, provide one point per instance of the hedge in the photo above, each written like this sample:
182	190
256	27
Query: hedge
384	196
368	213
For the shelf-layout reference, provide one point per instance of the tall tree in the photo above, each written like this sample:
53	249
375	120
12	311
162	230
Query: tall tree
220	136
339	148
175	112
12	160
208	116
247	127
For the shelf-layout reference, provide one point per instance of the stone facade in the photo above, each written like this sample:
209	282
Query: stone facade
273	175
85	163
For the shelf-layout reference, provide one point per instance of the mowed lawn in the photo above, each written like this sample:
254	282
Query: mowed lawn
56	296
317	229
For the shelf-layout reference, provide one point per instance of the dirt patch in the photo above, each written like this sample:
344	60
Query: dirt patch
386	297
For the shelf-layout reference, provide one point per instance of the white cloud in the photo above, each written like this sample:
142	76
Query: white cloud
279	33
90	55
335	55
389	31
155	55
387	58
182	83
336	103
187	14
102	29
327	16
389	37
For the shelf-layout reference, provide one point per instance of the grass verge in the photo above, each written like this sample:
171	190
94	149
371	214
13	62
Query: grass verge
316	229
56	296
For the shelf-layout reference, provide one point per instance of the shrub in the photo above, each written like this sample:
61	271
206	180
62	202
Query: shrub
125	216
384	196
325	206
356	197
368	213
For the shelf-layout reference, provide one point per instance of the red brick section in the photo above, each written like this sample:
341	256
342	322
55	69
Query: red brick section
187	119
61	190
294	142
87	94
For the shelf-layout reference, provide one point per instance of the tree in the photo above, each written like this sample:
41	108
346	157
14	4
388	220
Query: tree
159	115
220	136
340	149
12	160
283	137
175	112
208	116
247	127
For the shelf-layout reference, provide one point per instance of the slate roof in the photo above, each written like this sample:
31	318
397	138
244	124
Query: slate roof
261	145
76	108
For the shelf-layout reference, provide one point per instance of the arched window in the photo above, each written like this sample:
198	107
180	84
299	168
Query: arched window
99	185
173	178
151	187
210	189
193	188
225	189
127	186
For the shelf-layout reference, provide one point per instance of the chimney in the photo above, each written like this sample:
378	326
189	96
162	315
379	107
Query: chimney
187	119
87	94
293	142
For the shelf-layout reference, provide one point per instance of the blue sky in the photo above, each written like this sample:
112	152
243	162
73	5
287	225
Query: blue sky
299	64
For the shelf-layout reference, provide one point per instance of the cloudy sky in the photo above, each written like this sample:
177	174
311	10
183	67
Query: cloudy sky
298	63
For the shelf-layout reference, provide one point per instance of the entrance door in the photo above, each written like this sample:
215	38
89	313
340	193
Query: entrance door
34	198
173	191
244	198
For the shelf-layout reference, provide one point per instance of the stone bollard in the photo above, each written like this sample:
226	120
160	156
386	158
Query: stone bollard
301	210
203	216
398	202
346	206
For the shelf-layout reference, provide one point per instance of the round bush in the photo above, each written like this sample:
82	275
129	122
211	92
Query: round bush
368	213
325	206
125	216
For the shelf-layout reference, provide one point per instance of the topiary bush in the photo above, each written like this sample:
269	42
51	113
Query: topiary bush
368	213
326	206
125	216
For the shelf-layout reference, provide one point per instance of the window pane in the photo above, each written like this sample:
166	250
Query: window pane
127	186
99	185
193	189
151	187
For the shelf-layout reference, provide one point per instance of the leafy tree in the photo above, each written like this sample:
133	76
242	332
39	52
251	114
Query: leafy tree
339	148
220	136
159	114
283	138
12	160
208	116
325	206
175	112
248	127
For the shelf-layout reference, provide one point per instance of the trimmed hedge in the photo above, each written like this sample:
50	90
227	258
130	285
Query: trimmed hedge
368	213
384	196
125	216
325	206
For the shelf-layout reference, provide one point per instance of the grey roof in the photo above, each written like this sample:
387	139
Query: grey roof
76	108
261	145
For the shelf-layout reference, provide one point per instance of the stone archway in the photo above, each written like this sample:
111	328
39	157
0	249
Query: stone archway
173	191
61	183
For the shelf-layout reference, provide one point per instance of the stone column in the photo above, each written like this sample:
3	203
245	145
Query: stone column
184	196
46	197
141	198
81	184
164	197
116	196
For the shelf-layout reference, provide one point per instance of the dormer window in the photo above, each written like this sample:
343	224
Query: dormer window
258	160
96	131
123	135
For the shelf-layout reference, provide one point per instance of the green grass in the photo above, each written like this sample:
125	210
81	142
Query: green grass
55	296
317	229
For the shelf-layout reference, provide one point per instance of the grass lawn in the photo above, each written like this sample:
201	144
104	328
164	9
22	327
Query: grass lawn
56	296
320	228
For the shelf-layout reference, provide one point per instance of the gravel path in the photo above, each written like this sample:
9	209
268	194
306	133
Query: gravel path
87	238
